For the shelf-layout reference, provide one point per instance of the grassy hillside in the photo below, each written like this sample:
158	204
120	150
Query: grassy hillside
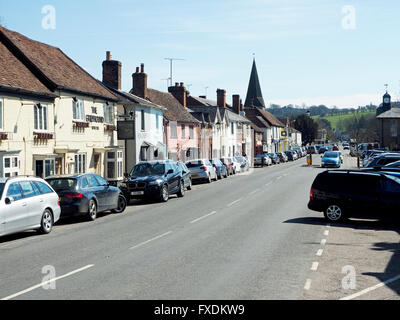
334	119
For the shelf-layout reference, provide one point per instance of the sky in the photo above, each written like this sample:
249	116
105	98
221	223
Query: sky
337	53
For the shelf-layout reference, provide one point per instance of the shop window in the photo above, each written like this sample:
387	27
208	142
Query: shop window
10	166
80	163
44	168
114	165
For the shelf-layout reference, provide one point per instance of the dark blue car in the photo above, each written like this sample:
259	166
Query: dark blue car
154	180
87	194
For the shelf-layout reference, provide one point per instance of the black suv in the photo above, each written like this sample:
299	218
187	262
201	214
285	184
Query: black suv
341	194
154	180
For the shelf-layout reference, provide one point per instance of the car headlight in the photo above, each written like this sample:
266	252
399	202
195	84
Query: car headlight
155	182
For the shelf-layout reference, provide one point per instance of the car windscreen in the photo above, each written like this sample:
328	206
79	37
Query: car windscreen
148	169
62	184
331	155
195	163
2	184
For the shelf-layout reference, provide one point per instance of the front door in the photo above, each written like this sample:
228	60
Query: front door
39	169
97	165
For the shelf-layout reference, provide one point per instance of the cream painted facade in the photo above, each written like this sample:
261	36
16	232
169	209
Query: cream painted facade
86	138
42	137
25	144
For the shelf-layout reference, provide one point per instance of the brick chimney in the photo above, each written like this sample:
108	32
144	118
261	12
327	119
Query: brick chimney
221	98
236	103
179	92
139	82
112	72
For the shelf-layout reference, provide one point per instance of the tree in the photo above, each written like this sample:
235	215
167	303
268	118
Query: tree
308	128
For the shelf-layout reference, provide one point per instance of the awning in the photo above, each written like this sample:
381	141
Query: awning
106	149
147	144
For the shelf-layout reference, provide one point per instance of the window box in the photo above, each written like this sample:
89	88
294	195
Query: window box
80	124
42	135
3	136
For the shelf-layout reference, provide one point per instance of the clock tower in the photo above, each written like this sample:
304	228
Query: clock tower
386	104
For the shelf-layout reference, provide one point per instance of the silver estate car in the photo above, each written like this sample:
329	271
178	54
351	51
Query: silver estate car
202	169
27	203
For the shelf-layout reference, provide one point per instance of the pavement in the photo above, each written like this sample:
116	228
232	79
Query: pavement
250	236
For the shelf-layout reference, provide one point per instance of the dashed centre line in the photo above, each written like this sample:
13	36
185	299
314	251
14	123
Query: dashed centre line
314	266
203	217
47	282
233	202
152	239
319	252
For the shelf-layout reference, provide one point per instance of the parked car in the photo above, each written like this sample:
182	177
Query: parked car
202	170
395	164
27	203
262	160
236	165
155	179
342	194
335	148
244	163
292	156
274	157
87	194
331	159
381	160
221	169
228	164
346	146
322	150
186	175
282	156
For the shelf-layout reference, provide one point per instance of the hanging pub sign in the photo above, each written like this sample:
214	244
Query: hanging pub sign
126	130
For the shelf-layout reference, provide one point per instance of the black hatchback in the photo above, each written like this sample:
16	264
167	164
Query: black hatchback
342	194
154	180
86	194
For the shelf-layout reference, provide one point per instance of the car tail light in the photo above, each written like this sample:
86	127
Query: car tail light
203	168
59	202
312	194
73	195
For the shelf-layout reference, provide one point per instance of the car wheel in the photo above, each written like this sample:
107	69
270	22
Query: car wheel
121	205
334	213
46	223
226	174
181	191
190	185
92	210
164	196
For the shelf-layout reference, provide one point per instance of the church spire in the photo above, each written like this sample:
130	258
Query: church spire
254	95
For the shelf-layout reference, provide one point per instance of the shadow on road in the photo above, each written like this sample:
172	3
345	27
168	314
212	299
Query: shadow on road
392	269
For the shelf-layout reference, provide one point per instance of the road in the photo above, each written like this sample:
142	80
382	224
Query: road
231	239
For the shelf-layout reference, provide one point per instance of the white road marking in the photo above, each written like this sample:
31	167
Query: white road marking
152	239
307	286
319	252
328	225
253	192
205	216
326	232
356	295
314	266
47	282
236	201
267	184
278	178
323	242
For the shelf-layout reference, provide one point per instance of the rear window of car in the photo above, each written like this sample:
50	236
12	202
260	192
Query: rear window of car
331	155
62	184
44	188
192	164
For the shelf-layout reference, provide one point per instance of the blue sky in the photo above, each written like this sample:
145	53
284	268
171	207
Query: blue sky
303	53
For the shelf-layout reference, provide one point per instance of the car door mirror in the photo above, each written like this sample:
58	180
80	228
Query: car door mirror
9	200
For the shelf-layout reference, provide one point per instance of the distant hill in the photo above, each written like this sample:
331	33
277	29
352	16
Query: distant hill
291	111
337	121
